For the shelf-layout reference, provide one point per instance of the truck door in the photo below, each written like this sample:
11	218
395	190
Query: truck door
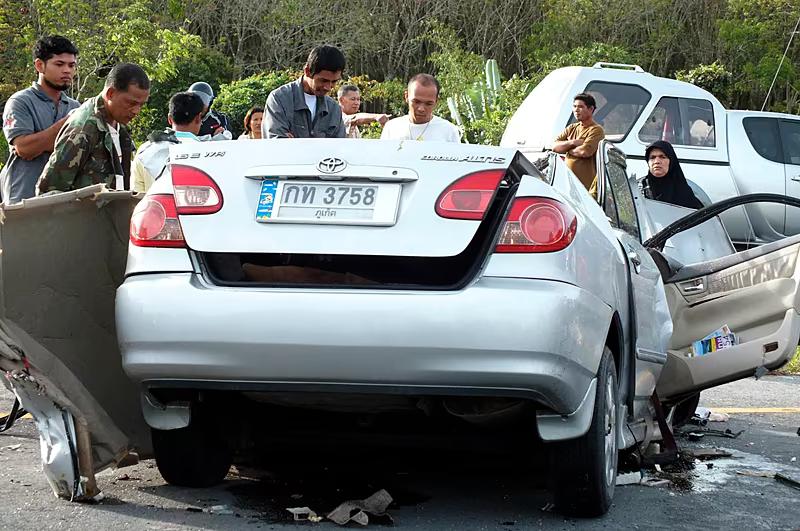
758	164
790	142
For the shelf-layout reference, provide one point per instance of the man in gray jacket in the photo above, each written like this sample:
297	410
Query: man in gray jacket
302	108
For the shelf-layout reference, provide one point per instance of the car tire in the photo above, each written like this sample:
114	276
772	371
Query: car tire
194	456
584	470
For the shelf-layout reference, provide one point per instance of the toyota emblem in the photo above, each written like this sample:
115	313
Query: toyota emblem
331	165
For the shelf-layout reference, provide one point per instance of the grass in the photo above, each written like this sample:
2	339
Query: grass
793	367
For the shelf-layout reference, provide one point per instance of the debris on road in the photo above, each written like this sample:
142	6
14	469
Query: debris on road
218	509
302	514
11	447
358	510
718	417
793	460
631	478
707	453
786	480
756	473
655	482
699	433
781	478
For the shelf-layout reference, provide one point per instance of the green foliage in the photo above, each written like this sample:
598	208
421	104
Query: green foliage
197	64
236	98
456	68
714	78
3	151
589	55
753	36
793	367
384	97
487	125
379	96
478	102
730	47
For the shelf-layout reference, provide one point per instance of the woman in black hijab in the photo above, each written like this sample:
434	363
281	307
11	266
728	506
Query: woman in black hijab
665	180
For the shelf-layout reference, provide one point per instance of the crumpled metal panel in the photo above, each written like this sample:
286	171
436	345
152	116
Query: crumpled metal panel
62	258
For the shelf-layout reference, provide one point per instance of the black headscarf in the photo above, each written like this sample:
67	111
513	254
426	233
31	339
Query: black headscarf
672	187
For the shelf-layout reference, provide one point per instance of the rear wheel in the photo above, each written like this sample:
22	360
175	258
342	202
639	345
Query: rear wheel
584	470
195	456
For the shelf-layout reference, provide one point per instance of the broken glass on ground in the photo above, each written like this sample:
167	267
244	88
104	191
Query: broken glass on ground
358	510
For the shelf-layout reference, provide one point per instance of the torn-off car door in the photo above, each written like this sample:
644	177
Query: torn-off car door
63	256
755	293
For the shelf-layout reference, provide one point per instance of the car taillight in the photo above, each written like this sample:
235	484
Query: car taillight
195	192
537	225
154	223
469	196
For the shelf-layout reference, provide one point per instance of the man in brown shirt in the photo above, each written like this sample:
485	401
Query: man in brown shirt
579	141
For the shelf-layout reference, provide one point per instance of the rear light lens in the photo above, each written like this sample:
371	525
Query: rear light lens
154	223
195	191
537	225
469	196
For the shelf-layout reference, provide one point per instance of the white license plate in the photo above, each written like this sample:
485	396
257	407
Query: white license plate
343	203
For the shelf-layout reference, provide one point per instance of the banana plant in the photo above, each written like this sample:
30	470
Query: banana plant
476	101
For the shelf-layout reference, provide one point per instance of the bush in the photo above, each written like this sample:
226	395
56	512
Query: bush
714	78
203	64
236	98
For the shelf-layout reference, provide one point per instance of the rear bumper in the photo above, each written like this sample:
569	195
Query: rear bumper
535	339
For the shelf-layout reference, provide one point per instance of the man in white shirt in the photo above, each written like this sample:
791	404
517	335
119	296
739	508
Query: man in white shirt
421	94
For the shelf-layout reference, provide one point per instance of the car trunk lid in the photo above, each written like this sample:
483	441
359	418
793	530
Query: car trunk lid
342	197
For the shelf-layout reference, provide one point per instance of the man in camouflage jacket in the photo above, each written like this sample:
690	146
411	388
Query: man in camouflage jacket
94	145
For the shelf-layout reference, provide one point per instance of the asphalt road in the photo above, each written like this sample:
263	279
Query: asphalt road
457	486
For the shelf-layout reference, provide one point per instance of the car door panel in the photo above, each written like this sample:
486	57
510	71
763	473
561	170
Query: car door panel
653	326
756	294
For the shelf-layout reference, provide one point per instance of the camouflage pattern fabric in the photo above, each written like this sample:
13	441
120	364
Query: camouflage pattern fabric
84	152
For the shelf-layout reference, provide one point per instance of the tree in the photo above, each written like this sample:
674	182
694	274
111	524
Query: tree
236	98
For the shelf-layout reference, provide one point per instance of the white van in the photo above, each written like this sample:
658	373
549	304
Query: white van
723	153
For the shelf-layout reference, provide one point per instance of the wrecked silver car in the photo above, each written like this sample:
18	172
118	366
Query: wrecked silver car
377	277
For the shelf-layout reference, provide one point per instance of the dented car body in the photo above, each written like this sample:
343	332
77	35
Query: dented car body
379	277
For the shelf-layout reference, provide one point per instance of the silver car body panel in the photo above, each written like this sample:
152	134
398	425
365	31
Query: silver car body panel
353	339
567	291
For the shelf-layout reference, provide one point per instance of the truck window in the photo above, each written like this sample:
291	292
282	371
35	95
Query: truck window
681	121
618	107
764	137
790	137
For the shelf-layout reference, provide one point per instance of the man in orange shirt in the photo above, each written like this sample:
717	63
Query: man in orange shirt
579	141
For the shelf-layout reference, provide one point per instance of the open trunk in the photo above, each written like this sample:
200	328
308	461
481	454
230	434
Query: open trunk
344	221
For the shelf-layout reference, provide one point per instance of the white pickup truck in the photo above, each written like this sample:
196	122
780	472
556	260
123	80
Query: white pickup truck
723	153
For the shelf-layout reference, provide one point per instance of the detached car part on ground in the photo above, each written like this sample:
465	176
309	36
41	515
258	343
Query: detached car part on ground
381	277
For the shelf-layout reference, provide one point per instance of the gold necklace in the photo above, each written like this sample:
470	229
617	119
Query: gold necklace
419	137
